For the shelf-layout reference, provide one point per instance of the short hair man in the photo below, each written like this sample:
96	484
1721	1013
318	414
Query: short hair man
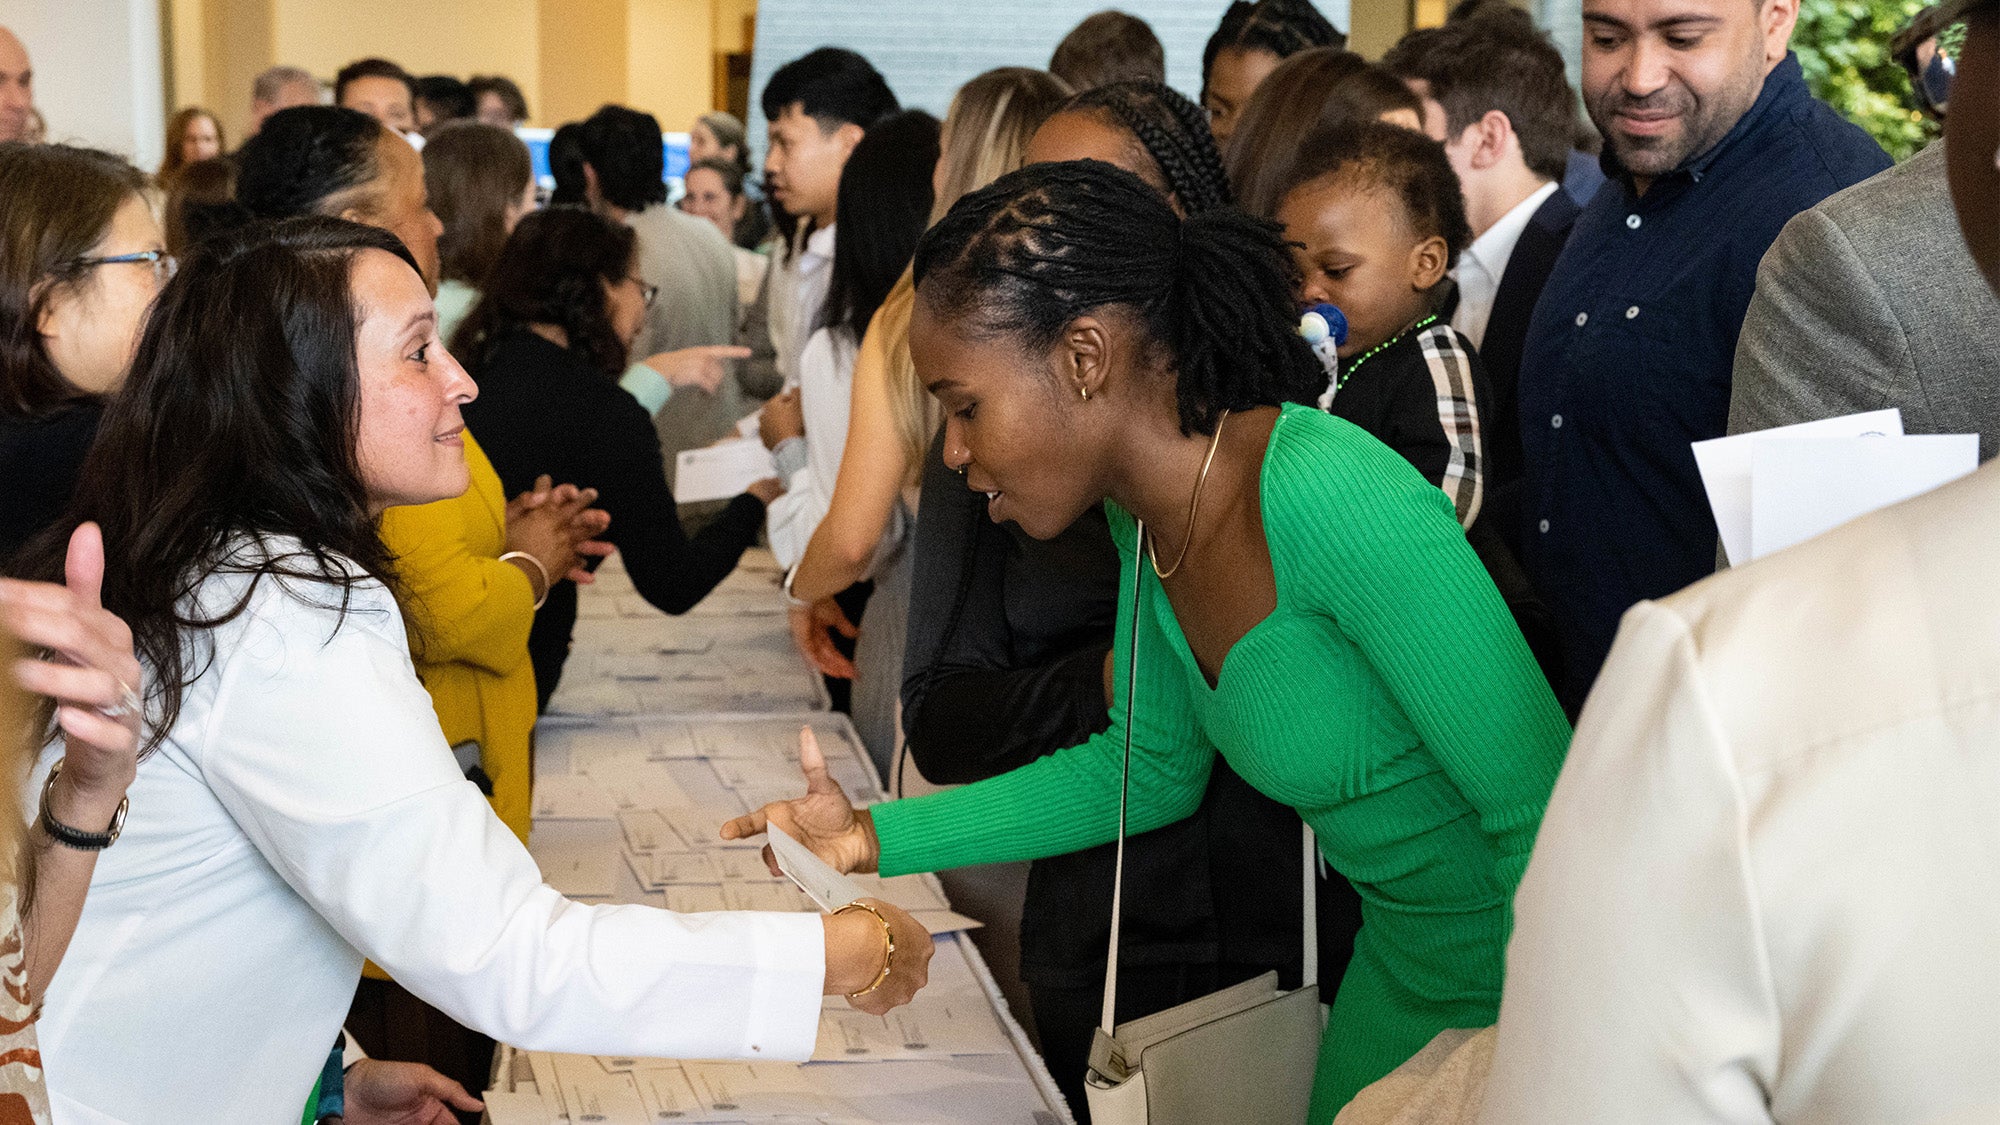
623	160
817	106
499	101
1764	888
1871	300
1108	47
17	89
380	89
1713	144
280	87
1407	60
442	98
1506	109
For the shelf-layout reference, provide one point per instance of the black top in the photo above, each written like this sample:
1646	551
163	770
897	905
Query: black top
39	461
1017	672
542	409
1629	355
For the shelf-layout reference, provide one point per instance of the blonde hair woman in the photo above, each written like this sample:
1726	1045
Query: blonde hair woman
892	418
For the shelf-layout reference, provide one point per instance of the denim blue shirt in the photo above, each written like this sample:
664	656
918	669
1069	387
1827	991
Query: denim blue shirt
1628	356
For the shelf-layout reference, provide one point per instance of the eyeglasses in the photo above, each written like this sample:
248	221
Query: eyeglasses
650	292
161	262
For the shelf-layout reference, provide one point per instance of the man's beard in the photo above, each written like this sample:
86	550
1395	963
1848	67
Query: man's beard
1661	153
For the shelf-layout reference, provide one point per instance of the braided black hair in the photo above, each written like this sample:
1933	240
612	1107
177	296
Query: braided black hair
1039	247
1281	27
1174	132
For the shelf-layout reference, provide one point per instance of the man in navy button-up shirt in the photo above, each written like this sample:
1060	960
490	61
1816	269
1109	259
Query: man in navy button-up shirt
1712	143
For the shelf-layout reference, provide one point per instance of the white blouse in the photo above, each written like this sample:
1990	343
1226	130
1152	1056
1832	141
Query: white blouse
826	396
304	813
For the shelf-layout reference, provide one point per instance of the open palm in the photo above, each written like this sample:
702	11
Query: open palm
823	820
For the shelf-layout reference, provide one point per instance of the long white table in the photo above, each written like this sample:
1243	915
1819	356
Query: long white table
662	728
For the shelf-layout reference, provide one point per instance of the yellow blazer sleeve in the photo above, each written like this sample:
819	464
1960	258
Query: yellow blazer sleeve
465	606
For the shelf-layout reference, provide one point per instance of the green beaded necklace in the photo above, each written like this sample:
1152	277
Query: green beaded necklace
1388	343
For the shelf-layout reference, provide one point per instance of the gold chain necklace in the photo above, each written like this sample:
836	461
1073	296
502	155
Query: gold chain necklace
1194	509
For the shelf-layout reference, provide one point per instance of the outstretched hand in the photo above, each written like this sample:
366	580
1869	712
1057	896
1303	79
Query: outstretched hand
90	670
823	820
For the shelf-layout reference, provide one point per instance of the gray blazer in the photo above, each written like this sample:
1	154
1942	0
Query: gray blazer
1870	300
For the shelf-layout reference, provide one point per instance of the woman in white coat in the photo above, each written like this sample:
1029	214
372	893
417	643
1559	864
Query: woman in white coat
298	808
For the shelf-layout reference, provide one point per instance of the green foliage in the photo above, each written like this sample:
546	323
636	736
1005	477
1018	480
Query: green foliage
1844	47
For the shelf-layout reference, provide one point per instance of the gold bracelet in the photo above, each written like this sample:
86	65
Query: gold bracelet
888	946
539	569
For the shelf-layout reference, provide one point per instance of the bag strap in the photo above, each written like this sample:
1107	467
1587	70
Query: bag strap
1309	900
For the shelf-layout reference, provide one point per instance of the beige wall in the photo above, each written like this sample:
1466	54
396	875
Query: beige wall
670	59
570	56
461	38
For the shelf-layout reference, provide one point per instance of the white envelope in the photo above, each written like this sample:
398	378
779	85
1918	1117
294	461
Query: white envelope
1725	469
722	470
1803	487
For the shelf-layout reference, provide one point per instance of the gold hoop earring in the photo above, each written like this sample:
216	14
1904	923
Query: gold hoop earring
1085	392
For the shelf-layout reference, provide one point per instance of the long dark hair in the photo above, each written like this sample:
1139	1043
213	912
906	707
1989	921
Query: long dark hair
474	172
59	203
239	420
885	203
1040	247
553	271
1173	131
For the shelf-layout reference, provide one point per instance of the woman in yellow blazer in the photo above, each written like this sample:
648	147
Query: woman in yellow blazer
473	569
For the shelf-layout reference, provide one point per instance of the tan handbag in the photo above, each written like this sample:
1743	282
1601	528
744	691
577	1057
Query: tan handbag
1244	1055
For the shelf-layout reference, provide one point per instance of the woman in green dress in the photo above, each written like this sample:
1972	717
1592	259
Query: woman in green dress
1307	606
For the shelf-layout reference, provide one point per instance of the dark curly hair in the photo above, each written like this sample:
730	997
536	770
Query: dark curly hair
553	271
304	157
1028	254
221	434
1406	164
1172	130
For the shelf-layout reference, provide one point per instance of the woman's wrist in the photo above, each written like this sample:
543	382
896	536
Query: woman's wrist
85	805
864	819
856	953
539	579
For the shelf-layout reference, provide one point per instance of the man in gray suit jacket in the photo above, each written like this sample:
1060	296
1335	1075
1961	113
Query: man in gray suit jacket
1870	300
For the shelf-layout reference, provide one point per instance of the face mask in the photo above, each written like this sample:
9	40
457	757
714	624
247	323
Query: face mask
1937	80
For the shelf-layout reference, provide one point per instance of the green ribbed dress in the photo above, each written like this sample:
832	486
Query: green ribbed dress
1389	698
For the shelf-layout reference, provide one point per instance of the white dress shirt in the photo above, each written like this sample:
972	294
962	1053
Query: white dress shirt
1767	887
305	812
798	292
1484	263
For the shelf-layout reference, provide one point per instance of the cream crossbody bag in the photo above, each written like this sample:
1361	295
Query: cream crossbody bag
1244	1055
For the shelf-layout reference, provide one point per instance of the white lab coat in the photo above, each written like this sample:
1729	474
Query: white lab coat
305	812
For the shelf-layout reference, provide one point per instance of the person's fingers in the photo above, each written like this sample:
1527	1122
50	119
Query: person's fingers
86	725
56	629
595	547
812	762
444	1089
83	566
69	683
721	351
771	862
828	659
748	825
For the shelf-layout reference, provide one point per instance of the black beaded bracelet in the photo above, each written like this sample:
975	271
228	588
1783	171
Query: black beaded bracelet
75	837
